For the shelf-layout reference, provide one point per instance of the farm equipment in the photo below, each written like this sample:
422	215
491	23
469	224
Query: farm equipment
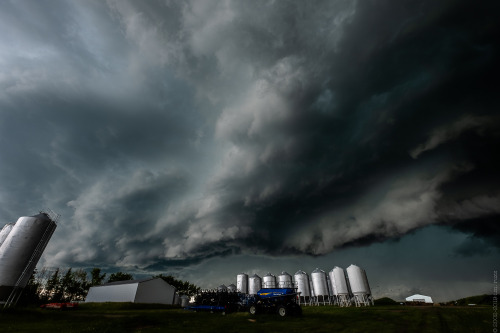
60	306
281	301
217	301
270	300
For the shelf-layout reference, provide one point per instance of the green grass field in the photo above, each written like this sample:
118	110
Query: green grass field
155	318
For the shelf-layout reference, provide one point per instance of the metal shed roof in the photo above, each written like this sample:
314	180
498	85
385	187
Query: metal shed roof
126	282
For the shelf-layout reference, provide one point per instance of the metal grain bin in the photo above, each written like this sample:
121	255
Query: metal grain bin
254	284
20	252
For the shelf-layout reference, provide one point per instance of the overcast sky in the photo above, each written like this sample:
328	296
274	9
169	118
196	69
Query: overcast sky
207	138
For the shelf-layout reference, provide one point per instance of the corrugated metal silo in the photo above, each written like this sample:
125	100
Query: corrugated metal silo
184	301
339	286
269	281
333	298
318	278
332	283
357	280
339	283
242	283
365	278
370	296
20	252
320	286
285	280
359	285
311	287
5	232
231	288
254	284
301	280
222	288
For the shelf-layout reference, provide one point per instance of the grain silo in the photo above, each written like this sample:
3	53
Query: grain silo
333	298
303	288
231	288
320	286
359	285
285	280
269	281
339	286
184	301
5	232
254	284
176	301
242	283
20	252
365	278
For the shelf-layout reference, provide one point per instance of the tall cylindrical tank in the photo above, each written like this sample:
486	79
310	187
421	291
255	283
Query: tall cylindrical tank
329	283
269	281
318	278
339	283
333	288
242	283
5	232
365	278
184	301
254	284
231	288
311	287
357	280
21	251
302	283
285	280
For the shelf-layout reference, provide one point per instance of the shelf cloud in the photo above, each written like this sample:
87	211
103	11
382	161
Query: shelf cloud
167	133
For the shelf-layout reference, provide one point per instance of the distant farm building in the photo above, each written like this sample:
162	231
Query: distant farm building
153	290
417	298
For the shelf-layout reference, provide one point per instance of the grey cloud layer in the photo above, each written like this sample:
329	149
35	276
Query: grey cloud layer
172	130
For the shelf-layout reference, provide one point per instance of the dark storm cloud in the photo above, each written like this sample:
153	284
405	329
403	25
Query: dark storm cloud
169	132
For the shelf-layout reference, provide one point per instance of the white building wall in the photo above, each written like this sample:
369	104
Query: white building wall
112	293
155	291
144	291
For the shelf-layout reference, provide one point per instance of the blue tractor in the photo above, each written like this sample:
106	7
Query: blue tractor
282	301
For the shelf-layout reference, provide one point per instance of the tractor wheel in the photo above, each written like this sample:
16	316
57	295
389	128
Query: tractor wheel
282	311
253	310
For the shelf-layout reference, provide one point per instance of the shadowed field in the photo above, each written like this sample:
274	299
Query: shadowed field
157	318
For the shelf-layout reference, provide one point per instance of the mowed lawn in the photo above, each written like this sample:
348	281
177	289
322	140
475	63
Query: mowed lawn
156	318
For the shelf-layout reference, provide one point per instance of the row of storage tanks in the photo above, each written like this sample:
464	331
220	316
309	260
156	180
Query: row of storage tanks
21	246
334	287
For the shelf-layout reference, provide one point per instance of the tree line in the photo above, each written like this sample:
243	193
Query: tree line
55	285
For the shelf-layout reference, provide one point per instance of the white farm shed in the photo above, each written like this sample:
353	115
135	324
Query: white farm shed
419	298
136	291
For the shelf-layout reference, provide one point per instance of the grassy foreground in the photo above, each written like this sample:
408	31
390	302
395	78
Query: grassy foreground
156	318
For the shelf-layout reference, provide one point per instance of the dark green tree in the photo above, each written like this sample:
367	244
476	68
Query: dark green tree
53	290
31	293
75	285
96	278
67	286
120	276
182	287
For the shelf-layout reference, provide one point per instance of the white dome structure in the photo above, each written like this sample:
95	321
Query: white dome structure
417	298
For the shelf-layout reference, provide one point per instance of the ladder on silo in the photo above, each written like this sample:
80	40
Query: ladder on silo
28	269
